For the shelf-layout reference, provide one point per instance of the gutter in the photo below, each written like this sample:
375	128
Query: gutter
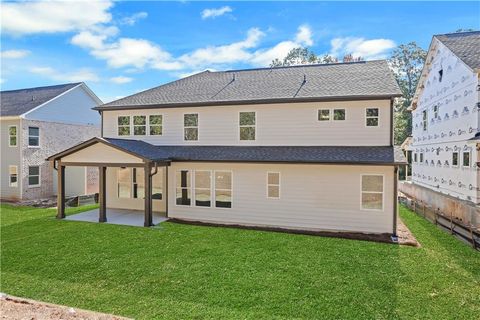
249	102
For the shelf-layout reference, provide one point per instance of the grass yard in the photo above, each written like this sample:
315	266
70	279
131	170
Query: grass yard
181	271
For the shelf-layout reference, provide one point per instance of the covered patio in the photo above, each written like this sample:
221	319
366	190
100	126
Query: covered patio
115	154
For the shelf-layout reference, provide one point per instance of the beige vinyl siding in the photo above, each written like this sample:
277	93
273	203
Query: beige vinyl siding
293	124
113	201
10	157
313	197
101	153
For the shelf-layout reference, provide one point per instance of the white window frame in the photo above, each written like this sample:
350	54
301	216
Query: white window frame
190	171
38	137
247	126
130	173
129	126
214	202
329	114
197	127
39	177
156	125
415	157
372	117
12	185
194	189
469	159
139	125
16	136
274	185
376	192
458	159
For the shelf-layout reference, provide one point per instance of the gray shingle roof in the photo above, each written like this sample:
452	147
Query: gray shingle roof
17	102
465	45
284	84
313	154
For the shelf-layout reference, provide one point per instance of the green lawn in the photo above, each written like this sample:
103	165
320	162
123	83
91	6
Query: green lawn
180	271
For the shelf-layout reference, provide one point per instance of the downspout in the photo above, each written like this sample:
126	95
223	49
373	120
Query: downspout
101	123
391	123
395	201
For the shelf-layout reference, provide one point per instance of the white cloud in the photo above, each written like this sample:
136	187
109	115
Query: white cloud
304	35
131	20
30	17
230	53
360	47
213	13
14	54
125	52
121	79
79	75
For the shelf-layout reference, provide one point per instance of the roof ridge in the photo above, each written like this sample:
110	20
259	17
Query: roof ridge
457	33
45	87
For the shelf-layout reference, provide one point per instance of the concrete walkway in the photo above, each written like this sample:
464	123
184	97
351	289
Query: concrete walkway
117	216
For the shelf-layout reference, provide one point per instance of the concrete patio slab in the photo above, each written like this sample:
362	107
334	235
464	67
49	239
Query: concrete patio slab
117	216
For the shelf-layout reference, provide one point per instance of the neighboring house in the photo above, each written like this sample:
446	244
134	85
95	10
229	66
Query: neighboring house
304	147
445	121
36	123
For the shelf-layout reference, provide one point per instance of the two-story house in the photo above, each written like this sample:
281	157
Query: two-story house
445	121
36	123
303	147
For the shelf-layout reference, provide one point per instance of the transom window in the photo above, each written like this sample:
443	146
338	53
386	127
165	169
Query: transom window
338	114
273	185
139	125
156	125
247	125
223	189
33	176
203	189
455	159
371	115
372	192
12	136
183	190
13	176
123	125
324	115
466	159
33	136
190	126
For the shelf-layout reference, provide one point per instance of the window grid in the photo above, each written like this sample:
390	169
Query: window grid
455	159
123	123
155	123
33	176
371	117
272	185
371	207
197	190
228	204
139	125
12	136
13	176
33	136
248	125
466	159
323	114
190	127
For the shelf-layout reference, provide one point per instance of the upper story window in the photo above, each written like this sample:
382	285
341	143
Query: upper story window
12	136
424	120
371	115
421	157
324	115
436	111
372	192
466	159
33	136
13	176
156	125
139	125
190	127
123	125
440	75
338	114
33	176
247	123
273	185
415	159
455	159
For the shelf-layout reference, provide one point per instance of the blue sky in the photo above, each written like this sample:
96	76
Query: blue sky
120	48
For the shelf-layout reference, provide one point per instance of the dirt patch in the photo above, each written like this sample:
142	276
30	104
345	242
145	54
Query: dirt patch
405	236
14	308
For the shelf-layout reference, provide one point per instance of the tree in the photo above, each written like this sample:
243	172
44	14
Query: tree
406	62
301	55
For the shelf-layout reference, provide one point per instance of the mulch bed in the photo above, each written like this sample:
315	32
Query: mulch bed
14	308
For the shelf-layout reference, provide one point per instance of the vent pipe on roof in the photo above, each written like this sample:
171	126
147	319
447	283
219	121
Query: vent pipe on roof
304	78
233	79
